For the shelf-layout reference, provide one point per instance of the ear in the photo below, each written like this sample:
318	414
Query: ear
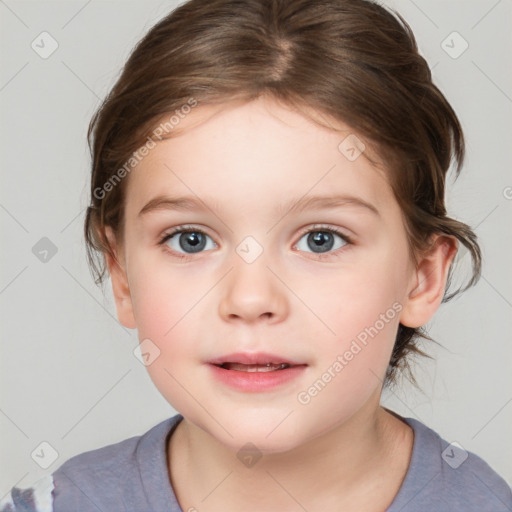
120	285
429	281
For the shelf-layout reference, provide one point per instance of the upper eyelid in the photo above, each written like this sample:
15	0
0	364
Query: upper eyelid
319	227
322	227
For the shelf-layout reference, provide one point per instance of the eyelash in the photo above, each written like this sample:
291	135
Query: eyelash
312	229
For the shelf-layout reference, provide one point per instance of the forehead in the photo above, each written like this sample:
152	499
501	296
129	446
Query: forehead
259	150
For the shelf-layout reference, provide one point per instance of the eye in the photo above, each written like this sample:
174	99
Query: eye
186	240
321	240
189	240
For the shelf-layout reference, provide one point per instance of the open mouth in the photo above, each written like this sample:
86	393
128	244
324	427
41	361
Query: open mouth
256	372
268	367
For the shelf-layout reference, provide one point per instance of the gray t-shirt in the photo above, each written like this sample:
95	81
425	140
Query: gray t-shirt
132	476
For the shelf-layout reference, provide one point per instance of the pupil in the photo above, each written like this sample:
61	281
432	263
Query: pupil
320	239
193	242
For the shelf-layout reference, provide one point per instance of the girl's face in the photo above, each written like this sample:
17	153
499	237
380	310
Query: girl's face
262	272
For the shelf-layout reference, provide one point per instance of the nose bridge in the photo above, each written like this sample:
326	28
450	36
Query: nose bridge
252	290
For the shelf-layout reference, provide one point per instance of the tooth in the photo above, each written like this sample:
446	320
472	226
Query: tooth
269	367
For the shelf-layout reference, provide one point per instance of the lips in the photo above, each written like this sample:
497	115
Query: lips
254	362
256	372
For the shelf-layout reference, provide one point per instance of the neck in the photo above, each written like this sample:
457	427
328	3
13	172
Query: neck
363	448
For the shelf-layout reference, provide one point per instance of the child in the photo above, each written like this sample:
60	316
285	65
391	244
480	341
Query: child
257	131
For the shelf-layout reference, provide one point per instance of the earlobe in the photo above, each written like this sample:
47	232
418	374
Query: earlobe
428	283
120	285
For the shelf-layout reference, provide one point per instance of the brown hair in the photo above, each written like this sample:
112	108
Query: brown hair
351	60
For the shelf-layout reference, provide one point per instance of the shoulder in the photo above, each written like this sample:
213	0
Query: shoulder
106	478
117	474
443	476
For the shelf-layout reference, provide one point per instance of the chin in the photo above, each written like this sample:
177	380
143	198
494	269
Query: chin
267	432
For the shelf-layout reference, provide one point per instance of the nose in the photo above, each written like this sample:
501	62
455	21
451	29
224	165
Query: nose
252	293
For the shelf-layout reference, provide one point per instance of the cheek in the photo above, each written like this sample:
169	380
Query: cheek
347	301
167	311
352	367
359	309
168	303
164	297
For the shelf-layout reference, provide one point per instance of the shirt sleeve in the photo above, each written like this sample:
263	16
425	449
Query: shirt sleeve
38	498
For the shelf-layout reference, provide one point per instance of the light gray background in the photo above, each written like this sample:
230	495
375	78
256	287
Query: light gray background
68	373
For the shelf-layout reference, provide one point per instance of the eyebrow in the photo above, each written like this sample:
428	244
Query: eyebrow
190	203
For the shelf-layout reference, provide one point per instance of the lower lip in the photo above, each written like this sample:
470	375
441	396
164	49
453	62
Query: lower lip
256	381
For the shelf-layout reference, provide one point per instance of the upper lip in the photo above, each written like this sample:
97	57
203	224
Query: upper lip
253	358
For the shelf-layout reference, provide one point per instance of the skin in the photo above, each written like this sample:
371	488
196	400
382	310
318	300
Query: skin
244	161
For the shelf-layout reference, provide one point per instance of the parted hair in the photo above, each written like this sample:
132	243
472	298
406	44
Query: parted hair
355	61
